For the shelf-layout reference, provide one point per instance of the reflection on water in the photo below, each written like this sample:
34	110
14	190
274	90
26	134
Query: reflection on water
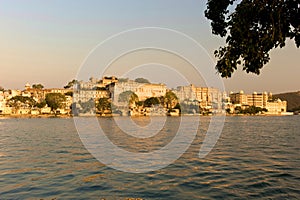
255	157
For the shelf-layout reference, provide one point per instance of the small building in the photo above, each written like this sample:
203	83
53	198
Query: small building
6	110
276	107
35	112
86	95
254	99
46	110
62	111
22	111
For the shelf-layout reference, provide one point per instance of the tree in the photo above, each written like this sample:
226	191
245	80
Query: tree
100	88
151	101
41	104
1	88
123	80
252	30
55	100
189	107
16	101
88	106
170	99
178	107
141	80
71	84
104	105
37	86
69	94
228	111
128	97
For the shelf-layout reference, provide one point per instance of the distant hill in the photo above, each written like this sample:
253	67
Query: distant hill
292	98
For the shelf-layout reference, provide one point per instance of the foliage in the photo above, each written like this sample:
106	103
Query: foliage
103	105
41	104
16	101
252	110
141	80
69	94
228	110
189	108
100	88
2	89
151	101
55	100
170	99
123	80
140	103
71	84
37	86
252	30
162	101
178	106
129	97
88	106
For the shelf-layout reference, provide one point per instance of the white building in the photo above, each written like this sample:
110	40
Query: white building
207	97
254	99
142	90
276	107
86	95
261	100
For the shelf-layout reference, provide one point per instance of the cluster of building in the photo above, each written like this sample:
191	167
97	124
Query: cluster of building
210	100
199	99
38	95
261	100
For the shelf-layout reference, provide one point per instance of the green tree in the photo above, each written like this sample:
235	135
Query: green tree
88	106
140	103
254	110
16	101
141	80
170	99
41	104
123	80
228	111
178	106
55	100
128	97
151	101
100	88
37	86
103	105
238	110
252	29
69	94
71	84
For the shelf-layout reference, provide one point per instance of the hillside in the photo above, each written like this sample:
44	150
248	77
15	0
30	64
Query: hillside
293	99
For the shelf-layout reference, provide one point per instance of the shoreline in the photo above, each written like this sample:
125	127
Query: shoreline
35	116
28	116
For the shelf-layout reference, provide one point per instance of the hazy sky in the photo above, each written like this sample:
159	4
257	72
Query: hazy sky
47	41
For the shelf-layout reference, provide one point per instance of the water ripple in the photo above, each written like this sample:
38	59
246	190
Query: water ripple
255	158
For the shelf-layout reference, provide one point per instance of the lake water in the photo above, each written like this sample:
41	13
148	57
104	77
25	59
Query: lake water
255	157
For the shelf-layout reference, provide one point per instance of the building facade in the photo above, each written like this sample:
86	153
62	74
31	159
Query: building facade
261	100
142	90
254	99
207	97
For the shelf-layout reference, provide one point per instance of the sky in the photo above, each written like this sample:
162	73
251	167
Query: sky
49	42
